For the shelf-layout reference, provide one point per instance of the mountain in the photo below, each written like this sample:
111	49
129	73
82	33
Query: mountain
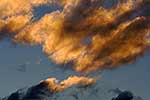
42	91
37	92
48	89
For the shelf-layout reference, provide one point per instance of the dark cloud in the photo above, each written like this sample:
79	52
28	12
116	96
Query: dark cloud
22	67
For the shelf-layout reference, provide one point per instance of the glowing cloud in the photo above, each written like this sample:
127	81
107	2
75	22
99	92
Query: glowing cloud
71	81
16	14
84	32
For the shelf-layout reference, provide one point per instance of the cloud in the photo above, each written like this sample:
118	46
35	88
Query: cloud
90	36
71	81
14	7
15	15
82	32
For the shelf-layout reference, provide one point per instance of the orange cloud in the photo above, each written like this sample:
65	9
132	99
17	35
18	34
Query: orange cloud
71	81
16	14
14	7
84	32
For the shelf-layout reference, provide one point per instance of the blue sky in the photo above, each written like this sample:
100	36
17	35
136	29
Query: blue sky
134	77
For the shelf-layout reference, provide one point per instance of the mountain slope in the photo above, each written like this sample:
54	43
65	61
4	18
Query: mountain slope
43	91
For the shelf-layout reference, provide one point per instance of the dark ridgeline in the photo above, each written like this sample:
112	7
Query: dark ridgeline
126	95
37	92
42	92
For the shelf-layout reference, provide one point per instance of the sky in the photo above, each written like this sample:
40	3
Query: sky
125	77
23	66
